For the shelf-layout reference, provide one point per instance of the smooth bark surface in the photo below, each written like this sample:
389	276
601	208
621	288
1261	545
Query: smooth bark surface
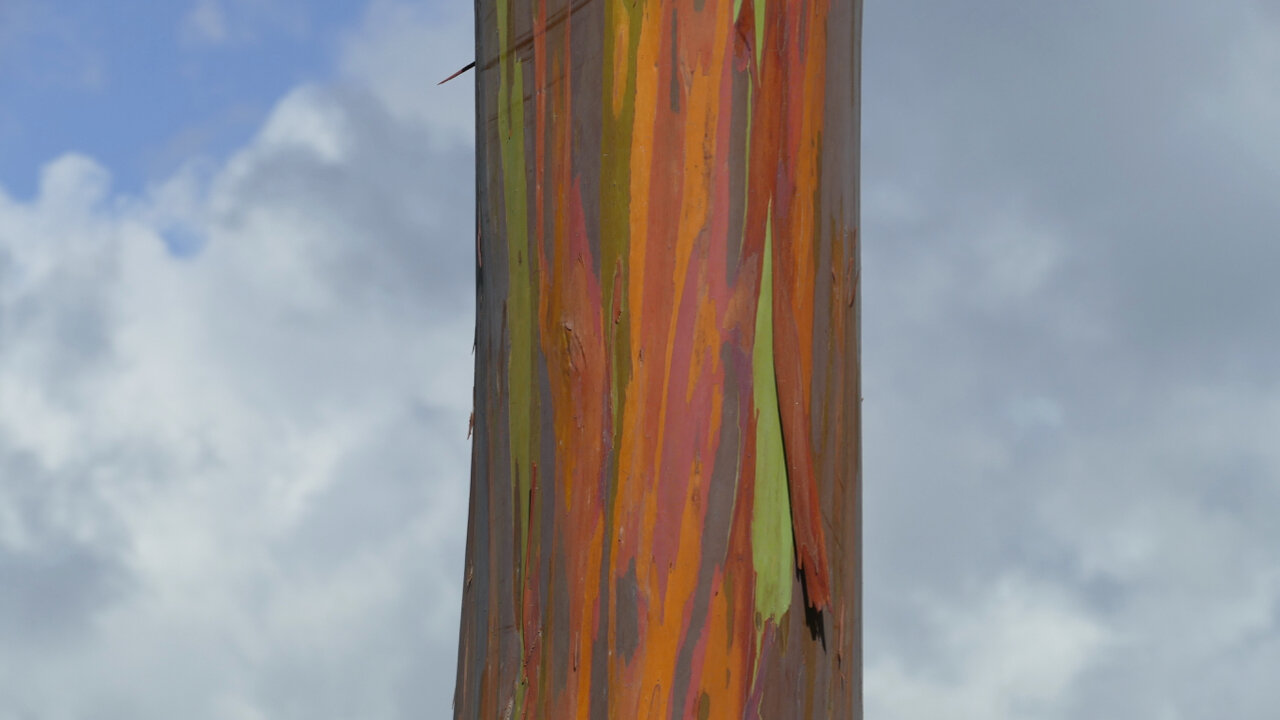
665	496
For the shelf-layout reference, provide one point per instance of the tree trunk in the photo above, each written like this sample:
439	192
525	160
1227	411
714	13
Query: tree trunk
665	493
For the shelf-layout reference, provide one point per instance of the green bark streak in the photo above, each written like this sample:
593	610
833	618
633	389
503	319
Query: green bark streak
615	199
771	545
520	285
519	308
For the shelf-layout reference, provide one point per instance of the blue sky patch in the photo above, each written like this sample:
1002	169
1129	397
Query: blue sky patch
142	86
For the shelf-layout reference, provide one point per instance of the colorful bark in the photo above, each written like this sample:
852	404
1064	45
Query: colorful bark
665	513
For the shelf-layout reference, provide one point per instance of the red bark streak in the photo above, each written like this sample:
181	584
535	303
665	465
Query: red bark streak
806	512
689	70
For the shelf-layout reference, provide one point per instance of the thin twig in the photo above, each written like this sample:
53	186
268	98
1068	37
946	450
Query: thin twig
465	68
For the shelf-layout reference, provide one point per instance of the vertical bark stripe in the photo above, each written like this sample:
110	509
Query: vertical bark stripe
671	470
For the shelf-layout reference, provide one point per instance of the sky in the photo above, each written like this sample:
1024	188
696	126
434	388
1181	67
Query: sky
236	267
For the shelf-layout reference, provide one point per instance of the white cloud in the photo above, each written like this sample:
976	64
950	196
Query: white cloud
311	122
1070	357
404	50
258	452
1012	653
205	22
226	23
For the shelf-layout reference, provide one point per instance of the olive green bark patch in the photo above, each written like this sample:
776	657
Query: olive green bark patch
771	544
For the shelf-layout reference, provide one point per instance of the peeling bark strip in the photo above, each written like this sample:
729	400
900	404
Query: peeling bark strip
665	501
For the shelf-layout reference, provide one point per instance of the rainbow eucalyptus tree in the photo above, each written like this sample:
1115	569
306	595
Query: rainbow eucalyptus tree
665	491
